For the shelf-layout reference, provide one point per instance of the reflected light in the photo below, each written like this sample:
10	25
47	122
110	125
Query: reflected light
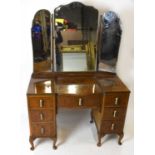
43	87
93	89
47	83
72	89
47	86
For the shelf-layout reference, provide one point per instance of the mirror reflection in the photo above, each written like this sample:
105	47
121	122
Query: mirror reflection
72	40
41	33
75	37
109	41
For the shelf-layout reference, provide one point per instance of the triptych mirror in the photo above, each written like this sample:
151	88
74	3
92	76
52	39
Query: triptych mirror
75	38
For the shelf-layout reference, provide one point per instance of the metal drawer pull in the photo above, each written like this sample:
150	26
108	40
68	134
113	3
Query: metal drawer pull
42	130
112	126
41	117
116	100
41	103
114	113
80	101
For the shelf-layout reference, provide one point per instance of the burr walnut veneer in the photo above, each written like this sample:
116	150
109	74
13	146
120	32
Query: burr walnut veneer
102	92
74	55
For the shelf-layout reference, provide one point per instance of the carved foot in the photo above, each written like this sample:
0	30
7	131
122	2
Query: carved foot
31	139
32	148
91	121
91	116
99	140
54	147
120	138
54	144
99	144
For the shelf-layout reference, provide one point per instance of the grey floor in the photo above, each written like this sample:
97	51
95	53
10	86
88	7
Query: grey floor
74	62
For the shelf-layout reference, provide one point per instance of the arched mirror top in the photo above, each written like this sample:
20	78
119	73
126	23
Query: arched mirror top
109	41
74	39
41	40
78	15
76	30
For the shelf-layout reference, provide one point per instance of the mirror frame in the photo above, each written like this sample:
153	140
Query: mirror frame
53	55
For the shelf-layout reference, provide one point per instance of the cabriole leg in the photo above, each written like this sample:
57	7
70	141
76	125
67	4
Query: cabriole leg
31	139
99	140
91	116
54	143
120	138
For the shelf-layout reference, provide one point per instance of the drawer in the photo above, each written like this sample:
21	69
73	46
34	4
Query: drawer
69	101
114	113
43	129
42	115
112	126
41	102
116	99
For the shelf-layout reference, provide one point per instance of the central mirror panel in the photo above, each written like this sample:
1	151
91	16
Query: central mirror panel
75	37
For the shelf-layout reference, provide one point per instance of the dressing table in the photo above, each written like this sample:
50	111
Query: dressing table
74	60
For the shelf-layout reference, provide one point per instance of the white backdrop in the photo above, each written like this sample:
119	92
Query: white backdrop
124	8
18	51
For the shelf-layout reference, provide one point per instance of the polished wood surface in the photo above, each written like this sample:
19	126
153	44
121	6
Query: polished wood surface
48	75
43	129
78	89
120	97
112	127
104	93
111	118
41	86
72	101
45	65
47	102
81	81
42	111
45	115
112	84
114	113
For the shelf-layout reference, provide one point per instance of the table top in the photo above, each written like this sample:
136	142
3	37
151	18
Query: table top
76	85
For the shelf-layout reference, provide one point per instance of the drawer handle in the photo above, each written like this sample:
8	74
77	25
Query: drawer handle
80	101
41	117
42	130
116	101
114	113
112	126
41	103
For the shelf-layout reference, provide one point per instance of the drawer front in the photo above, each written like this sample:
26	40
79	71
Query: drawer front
43	129
112	126
116	99
42	115
41	102
69	101
114	113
